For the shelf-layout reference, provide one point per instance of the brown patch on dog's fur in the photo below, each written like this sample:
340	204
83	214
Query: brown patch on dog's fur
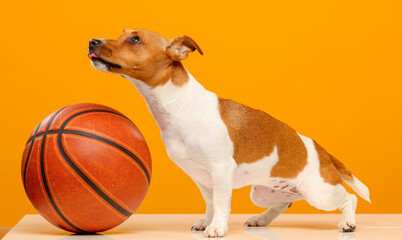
149	61
255	134
328	170
179	75
176	73
343	171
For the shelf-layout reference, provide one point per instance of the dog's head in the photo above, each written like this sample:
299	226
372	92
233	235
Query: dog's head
141	54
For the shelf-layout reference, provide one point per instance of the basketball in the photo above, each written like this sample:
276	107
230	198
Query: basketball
86	168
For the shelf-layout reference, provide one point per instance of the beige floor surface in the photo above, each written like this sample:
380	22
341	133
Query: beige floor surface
177	226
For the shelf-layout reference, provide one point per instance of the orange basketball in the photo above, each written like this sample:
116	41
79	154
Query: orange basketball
86	168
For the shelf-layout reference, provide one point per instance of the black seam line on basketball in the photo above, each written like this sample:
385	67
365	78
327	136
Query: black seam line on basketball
106	140
114	144
41	134
54	223
90	135
26	166
44	180
77	114
61	130
87	180
90	111
29	154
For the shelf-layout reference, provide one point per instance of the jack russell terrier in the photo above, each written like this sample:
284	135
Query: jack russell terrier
224	145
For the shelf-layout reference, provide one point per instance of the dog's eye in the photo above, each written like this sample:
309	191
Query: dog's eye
134	40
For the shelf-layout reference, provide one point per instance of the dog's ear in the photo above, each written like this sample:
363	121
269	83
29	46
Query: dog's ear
180	47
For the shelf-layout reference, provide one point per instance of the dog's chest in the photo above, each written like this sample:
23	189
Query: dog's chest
196	147
188	158
192	129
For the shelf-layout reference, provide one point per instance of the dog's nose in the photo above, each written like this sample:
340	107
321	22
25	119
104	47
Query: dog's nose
94	42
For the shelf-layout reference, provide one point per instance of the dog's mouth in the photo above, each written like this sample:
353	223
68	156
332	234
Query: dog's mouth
96	58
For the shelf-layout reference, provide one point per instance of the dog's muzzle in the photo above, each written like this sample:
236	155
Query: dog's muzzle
94	45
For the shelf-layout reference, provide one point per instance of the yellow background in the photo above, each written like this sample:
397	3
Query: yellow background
330	69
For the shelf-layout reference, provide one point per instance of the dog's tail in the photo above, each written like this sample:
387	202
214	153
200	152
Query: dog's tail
351	180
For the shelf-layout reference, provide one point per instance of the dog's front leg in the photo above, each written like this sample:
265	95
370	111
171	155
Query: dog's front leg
222	181
207	194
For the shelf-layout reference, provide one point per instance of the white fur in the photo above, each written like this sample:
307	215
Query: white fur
323	195
100	66
197	140
317	192
359	188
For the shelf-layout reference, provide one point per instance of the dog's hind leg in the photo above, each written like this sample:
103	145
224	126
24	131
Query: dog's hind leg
348	208
329	198
322	193
260	196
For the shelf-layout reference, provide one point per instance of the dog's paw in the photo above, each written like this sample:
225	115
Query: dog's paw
200	225
257	221
347	226
216	229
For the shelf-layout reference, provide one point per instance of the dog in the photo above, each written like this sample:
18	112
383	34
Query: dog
221	144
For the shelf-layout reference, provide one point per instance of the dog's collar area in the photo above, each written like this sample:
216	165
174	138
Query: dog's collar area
94	57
